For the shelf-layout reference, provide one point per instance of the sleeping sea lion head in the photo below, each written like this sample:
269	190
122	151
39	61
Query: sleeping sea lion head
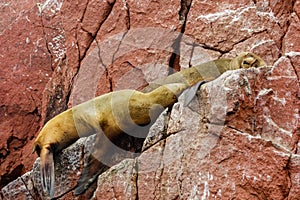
247	60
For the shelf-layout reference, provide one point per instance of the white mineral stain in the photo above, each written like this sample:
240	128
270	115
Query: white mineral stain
280	100
27	40
219	193
234	14
272	78
269	15
292	53
279	61
282	154
193	194
205	191
52	5
215	16
264	92
254	179
57	46
270	121
262	42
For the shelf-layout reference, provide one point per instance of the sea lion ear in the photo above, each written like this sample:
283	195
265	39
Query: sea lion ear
33	148
36	148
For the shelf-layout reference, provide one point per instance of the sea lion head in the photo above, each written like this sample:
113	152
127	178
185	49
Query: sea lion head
247	60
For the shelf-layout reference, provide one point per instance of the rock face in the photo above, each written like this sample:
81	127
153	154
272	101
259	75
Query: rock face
238	139
224	145
24	72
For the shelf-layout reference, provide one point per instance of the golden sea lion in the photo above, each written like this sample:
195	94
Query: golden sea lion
109	114
97	115
101	156
210	70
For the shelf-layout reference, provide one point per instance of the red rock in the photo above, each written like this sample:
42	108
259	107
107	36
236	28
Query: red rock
154	14
119	60
67	169
95	13
118	182
219	161
208	152
50	54
220	26
294	167
149	175
261	44
25	70
291	45
25	187
291	42
11	11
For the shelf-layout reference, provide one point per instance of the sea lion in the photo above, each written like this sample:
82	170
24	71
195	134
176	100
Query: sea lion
210	70
97	115
104	149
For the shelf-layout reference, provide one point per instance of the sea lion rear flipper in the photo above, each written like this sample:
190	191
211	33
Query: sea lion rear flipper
190	93
47	171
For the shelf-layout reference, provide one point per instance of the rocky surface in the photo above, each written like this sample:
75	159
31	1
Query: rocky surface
224	145
56	54
24	72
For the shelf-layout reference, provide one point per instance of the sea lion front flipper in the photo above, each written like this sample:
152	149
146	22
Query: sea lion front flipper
47	171
190	93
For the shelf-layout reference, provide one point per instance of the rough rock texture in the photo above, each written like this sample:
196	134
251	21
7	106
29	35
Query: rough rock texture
224	145
56	54
25	69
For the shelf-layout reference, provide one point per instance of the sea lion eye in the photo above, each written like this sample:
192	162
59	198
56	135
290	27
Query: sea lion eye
245	63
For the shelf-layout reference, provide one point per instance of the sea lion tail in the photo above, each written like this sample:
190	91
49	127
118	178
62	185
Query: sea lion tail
47	171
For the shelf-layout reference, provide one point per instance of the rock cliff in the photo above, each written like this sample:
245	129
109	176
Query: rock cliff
230	142
239	137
